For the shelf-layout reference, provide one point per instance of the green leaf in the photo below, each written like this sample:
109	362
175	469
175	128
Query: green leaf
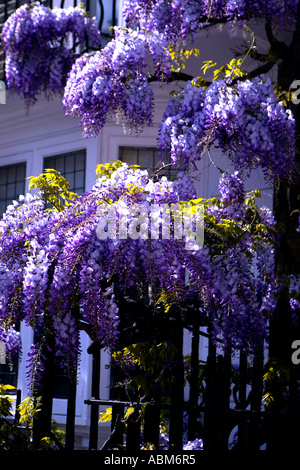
207	65
148	446
105	415
28	410
54	188
3	388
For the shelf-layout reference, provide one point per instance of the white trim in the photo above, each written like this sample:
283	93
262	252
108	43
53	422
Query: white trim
113	137
16	158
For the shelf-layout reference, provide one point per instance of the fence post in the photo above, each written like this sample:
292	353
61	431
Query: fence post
209	433
223	398
177	395
42	422
71	411
151	425
133	422
94	349
256	400
194	385
242	402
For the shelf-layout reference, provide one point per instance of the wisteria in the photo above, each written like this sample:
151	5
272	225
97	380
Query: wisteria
243	117
12	344
40	47
115	81
244	120
65	269
179	19
197	444
147	242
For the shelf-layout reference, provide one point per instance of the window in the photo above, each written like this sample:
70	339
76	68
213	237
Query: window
147	158
72	166
12	184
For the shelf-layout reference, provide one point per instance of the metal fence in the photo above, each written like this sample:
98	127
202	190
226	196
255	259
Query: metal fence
241	403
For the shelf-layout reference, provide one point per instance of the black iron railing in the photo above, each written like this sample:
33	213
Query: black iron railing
231	413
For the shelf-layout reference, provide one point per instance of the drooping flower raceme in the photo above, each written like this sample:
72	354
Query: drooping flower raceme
115	81
12	343
177	19
197	444
244	120
40	47
59	270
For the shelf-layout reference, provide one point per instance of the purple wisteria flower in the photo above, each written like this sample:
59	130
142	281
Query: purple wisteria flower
197	444
40	47
177	19
114	81
12	343
56	269
245	120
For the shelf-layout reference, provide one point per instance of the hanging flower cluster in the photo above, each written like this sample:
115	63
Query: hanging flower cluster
12	344
244	120
40	47
58	268
115	81
181	18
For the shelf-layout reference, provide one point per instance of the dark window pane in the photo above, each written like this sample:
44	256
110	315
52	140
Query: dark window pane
10	191
19	188
79	179
71	179
129	156
11	174
12	184
2	193
21	173
70	163
80	162
50	163
148	159
72	166
58	164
